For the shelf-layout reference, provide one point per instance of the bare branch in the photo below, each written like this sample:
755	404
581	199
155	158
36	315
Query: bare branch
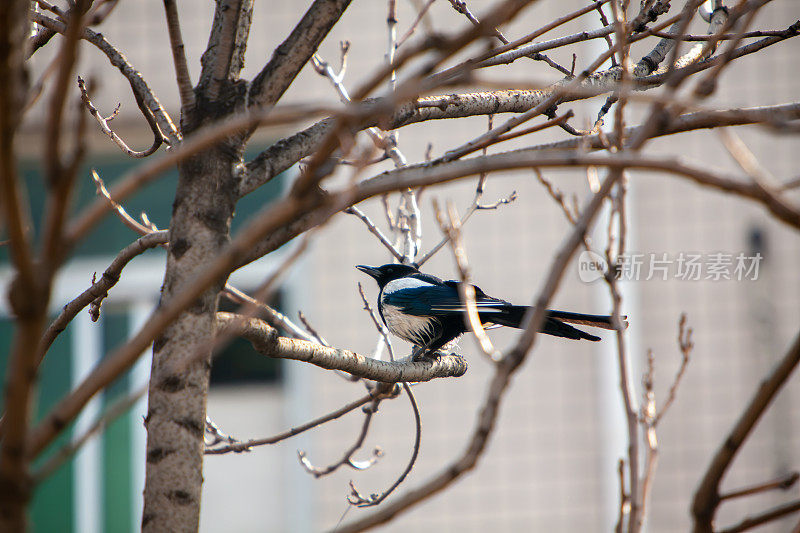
347	459
476	205
375	231
417	175
290	150
707	498
12	99
246	445
103	122
411	29
723	37
461	7
784	482
763	518
624	499
123	215
747	12
768	116
686	345
200	140
356	498
26	296
293	53
100	11
266	341
182	76
285	153
466	292
60	177
379	325
493	56
100	288
223	58
138	84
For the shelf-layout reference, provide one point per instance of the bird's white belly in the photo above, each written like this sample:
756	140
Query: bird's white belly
417	329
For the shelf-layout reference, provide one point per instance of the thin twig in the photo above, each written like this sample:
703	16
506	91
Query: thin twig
333	415
783	482
99	288
105	128
558	196
476	205
624	502
765	517
213	435
607	37
706	499
347	459
140	88
461	7
182	76
275	318
311	330
126	219
356	498
375	231
686	345
723	37
379	325
411	29
466	291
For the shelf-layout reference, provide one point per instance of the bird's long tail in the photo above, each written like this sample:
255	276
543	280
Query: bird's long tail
555	323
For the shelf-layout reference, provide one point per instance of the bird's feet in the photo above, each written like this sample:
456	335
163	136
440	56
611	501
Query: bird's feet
422	354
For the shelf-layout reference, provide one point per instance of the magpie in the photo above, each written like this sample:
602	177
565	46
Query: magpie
429	313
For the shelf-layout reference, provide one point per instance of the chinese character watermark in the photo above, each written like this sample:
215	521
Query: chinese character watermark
684	266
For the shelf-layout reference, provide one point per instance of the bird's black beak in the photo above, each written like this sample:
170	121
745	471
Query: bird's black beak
372	271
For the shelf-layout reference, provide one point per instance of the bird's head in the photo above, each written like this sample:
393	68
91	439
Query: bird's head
386	273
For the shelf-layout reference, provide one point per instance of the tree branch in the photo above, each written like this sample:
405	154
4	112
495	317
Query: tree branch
26	298
105	128
294	52
762	518
288	151
266	341
101	287
774	116
138	84
182	76
333	415
223	58
356	498
707	498
198	141
347	458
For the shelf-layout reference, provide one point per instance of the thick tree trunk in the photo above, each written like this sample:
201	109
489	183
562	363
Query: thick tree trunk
28	293
204	204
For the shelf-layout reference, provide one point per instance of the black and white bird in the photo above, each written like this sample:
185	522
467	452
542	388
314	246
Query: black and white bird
429	313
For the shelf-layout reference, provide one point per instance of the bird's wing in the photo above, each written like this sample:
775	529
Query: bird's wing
421	297
483	301
417	297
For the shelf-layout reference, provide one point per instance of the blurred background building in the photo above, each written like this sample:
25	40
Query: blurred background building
551	463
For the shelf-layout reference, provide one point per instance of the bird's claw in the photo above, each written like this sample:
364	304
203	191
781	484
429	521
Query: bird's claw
422	355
